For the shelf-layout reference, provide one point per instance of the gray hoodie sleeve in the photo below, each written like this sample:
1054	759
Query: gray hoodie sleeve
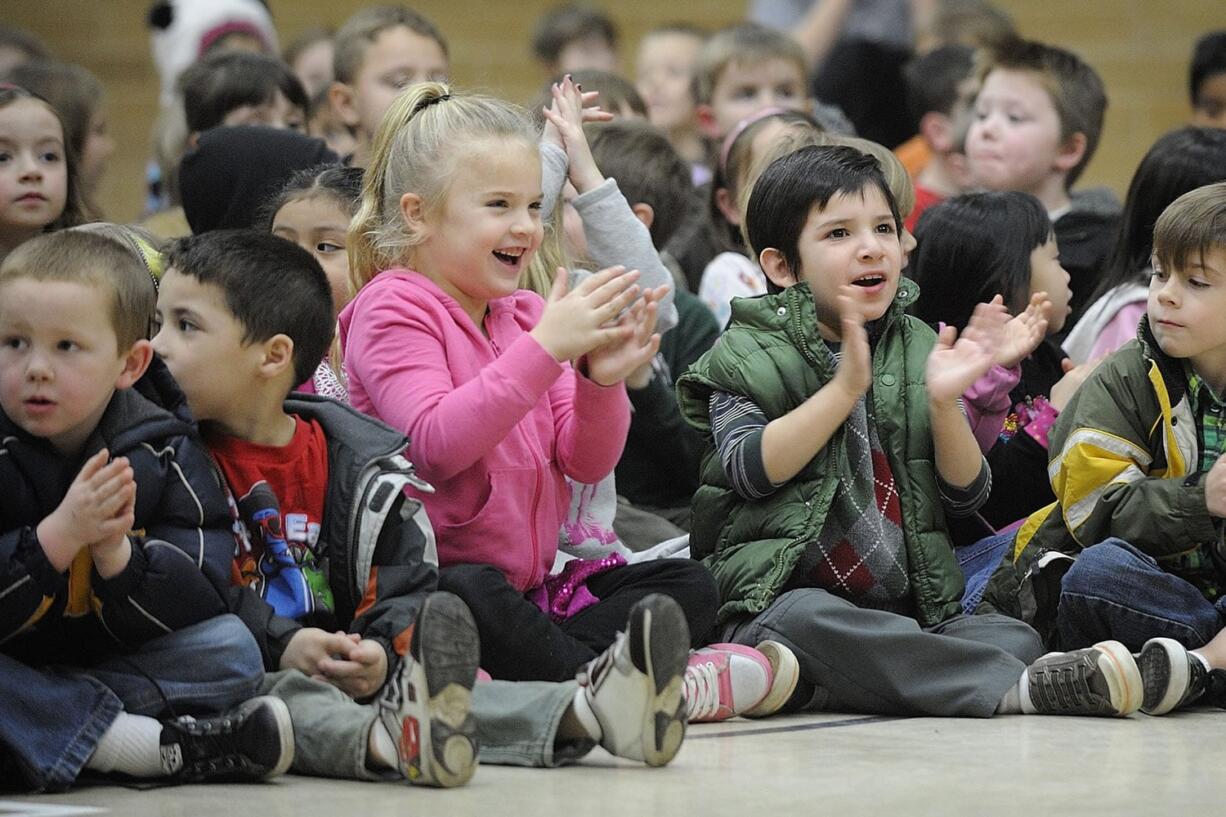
616	236
553	176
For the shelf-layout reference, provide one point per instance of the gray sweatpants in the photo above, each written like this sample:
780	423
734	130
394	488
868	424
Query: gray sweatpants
882	663
517	725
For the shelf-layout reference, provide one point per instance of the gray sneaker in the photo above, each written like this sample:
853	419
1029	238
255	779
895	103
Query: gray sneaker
1173	677
425	705
634	687
1098	680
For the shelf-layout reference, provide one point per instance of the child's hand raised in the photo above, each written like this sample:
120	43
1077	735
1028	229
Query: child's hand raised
566	116
614	361
855	371
578	321
1024	332
958	361
98	507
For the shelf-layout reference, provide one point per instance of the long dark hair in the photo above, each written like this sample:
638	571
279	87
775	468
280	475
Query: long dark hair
973	247
1179	161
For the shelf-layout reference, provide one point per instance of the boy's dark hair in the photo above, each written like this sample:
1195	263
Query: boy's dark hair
933	79
973	247
219	83
1208	59
73	91
647	170
76	209
1179	161
271	287
94	260
1076	89
565	24
341	183
794	184
748	43
1194	224
21	40
360	30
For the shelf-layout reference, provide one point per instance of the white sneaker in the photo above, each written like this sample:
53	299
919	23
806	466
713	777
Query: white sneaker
634	687
425	705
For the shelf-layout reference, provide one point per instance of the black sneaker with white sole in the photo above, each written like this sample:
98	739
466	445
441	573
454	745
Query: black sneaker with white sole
1098	680
253	741
1173	676
426	704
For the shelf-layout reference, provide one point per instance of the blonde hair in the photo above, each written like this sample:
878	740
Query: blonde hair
417	149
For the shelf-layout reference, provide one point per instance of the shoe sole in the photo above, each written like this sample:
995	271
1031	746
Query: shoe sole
285	735
1164	670
1123	677
786	670
447	651
659	648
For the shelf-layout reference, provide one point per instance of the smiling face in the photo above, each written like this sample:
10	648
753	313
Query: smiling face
853	240
318	224
1014	140
478	241
60	360
1185	308
33	170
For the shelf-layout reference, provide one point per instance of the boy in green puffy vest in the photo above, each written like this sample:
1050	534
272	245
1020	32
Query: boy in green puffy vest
837	446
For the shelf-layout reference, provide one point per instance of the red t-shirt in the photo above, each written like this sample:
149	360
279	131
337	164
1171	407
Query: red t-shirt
924	198
280	493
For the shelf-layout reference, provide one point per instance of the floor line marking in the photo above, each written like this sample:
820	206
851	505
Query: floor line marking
800	727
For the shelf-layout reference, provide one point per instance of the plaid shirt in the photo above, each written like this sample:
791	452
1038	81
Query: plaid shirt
1198	566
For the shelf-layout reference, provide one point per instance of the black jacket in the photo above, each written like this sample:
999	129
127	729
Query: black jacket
181	544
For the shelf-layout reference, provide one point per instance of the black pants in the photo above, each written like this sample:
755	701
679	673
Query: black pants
519	642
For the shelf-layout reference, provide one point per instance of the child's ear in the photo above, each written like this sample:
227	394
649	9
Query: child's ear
342	99
278	356
135	362
413	210
776	268
644	213
938	131
1070	152
708	125
723	200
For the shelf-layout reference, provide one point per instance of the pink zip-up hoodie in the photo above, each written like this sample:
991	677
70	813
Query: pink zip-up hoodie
494	423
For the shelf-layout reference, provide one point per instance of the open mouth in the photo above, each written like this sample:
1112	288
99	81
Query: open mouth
511	256
869	280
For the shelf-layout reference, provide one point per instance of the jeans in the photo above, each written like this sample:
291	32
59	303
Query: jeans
1114	591
51	718
978	562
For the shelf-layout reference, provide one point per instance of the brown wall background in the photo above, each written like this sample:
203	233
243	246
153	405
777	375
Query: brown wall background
1141	48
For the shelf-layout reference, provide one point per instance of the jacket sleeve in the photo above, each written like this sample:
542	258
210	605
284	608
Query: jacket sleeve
616	236
656	426
403	366
28	582
987	404
403	571
1102	473
180	567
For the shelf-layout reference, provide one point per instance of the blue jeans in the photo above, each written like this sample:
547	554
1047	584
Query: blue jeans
1114	591
978	562
52	718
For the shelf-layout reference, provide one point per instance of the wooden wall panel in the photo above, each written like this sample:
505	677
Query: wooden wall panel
1141	48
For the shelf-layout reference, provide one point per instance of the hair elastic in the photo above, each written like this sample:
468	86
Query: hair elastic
426	103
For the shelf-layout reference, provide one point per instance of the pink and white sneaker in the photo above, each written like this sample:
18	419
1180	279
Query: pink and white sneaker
725	680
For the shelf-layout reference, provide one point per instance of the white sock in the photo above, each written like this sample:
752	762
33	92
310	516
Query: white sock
1017	699
586	717
1202	658
132	746
381	752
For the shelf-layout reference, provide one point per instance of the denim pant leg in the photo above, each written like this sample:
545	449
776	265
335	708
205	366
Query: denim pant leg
978	562
51	721
517	723
1114	591
882	663
205	668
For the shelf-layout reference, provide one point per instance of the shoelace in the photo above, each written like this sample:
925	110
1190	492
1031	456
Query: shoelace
600	666
702	690
1064	688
